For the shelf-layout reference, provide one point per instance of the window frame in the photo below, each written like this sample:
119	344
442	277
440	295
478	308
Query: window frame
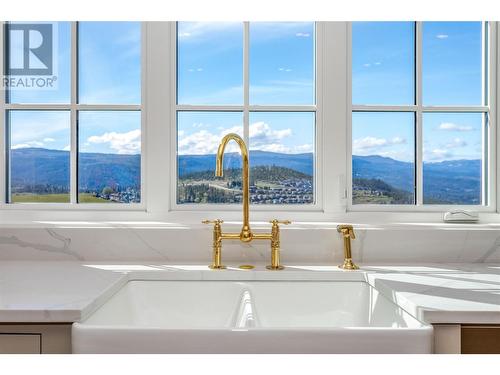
490	191
158	154
74	108
245	109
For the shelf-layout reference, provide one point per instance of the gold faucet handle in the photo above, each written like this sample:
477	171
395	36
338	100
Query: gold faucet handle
216	221
276	222
346	230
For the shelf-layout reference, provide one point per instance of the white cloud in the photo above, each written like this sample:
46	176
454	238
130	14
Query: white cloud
67	148
273	147
438	154
449	126
455	143
48	139
122	143
369	65
442	36
262	137
199	143
27	145
262	134
446	151
197	32
397	141
307	147
369	142
36	130
302	35
372	145
284	69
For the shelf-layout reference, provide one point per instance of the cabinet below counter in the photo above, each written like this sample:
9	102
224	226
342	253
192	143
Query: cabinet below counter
29	338
466	339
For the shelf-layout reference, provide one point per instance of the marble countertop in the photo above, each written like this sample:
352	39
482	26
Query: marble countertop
58	291
53	291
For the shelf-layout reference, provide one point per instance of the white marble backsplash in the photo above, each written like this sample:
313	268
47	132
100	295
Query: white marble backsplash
301	243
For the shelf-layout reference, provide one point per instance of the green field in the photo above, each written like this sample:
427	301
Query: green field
364	197
55	198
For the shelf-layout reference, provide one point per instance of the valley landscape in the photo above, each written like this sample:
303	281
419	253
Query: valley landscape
43	175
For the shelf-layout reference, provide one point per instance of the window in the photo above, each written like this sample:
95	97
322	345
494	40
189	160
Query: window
79	142
418	112
256	80
420	129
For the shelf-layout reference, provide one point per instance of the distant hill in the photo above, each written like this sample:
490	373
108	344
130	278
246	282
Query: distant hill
445	182
303	163
38	166
394	172
385	193
457	180
258	173
453	181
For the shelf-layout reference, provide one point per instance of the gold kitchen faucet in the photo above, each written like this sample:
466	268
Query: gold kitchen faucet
246	234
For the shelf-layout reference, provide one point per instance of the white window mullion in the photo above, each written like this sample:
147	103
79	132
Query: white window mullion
484	101
206	108
3	132
74	115
419	166
246	83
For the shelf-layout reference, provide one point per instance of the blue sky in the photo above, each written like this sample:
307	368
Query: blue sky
384	133
210	70
281	71
45	129
383	68
382	62
210	63
109	73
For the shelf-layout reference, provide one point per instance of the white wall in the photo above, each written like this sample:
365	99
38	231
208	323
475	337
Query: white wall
311	243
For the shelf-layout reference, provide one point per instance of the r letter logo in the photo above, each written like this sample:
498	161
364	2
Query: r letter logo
30	48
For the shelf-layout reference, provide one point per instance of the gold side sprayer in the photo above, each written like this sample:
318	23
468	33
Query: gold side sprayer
347	232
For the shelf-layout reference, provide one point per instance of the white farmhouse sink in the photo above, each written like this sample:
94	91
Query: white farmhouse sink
250	317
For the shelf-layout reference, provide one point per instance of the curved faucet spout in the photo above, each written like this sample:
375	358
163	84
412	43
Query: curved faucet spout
245	234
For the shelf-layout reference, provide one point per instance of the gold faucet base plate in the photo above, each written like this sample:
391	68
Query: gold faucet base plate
246	267
212	267
273	268
348	265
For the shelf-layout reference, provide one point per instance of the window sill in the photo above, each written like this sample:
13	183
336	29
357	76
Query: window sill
186	220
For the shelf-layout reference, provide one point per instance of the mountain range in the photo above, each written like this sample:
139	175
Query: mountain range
39	166
450	181
197	163
457	179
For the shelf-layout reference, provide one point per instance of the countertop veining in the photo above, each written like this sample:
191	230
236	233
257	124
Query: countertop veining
57	291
